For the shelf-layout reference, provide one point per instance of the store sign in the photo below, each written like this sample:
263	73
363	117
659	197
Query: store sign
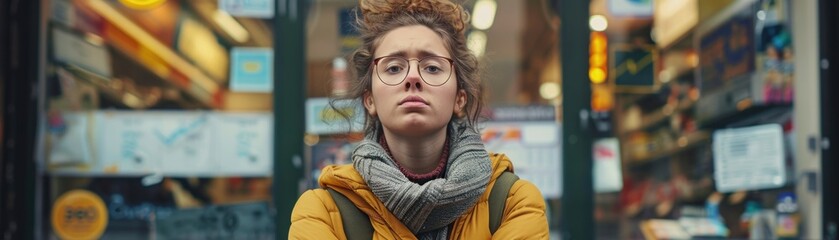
248	8
240	221
252	70
321	118
631	8
79	214
634	68
749	158
607	166
534	147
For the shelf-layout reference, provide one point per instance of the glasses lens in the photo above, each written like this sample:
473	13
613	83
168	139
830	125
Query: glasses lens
435	70
391	70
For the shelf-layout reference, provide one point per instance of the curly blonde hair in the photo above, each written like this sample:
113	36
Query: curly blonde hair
444	17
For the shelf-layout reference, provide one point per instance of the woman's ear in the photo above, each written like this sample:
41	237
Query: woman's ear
460	103
368	103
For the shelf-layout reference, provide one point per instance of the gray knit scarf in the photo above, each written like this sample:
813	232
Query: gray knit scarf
428	209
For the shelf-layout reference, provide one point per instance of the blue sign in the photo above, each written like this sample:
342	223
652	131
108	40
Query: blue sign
631	8
248	8
634	67
252	70
726	52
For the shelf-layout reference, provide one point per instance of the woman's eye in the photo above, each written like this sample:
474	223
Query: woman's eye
394	69
432	69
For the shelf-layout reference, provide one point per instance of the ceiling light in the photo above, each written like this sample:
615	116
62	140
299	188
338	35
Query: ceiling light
549	90
598	23
477	42
484	14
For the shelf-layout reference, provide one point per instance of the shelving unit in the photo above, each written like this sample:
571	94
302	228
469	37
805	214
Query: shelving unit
683	143
660	115
206	86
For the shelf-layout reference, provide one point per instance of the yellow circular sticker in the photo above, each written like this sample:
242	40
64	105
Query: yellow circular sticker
79	214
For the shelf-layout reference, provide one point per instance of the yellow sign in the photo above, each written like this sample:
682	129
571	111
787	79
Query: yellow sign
79	214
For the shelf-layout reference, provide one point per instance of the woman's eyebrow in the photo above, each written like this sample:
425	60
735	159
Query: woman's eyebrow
404	54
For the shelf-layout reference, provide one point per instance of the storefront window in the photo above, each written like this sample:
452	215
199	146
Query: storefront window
158	120
703	118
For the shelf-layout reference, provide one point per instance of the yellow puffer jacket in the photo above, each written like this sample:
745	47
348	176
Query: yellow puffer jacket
316	216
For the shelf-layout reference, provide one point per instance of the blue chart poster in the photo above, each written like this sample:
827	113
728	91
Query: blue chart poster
252	70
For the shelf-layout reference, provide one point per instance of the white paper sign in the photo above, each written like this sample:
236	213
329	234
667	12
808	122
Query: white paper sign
185	143
243	143
749	158
607	166
533	147
73	145
155	142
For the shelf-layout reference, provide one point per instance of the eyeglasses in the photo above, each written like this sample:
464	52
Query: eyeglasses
434	70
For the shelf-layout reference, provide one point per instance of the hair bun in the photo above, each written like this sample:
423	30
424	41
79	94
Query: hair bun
379	11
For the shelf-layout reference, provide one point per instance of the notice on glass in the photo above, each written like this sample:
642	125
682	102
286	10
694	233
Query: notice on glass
749	158
607	166
534	148
184	143
243	143
163	142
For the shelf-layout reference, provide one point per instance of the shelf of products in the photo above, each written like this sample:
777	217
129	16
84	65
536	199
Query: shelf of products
205	86
659	116
682	143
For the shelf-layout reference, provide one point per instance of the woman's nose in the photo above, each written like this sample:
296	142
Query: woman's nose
413	79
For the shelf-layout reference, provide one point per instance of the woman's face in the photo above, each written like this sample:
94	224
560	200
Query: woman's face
412	107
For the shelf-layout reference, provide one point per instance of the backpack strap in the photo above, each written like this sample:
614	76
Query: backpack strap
356	223
498	198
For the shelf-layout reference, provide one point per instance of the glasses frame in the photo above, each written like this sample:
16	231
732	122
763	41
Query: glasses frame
375	64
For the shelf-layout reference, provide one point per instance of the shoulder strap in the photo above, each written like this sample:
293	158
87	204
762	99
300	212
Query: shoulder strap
498	198
356	223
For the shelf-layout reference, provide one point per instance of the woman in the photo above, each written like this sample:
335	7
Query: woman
422	171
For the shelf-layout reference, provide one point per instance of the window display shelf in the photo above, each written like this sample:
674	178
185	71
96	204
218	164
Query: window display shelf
124	98
120	58
166	54
650	120
683	143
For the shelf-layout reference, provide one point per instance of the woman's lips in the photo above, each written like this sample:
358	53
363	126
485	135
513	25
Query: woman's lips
413	100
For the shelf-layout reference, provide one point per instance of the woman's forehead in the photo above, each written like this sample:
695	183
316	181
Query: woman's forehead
411	41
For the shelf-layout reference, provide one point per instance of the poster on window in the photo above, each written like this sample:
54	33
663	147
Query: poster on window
749	158
534	147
